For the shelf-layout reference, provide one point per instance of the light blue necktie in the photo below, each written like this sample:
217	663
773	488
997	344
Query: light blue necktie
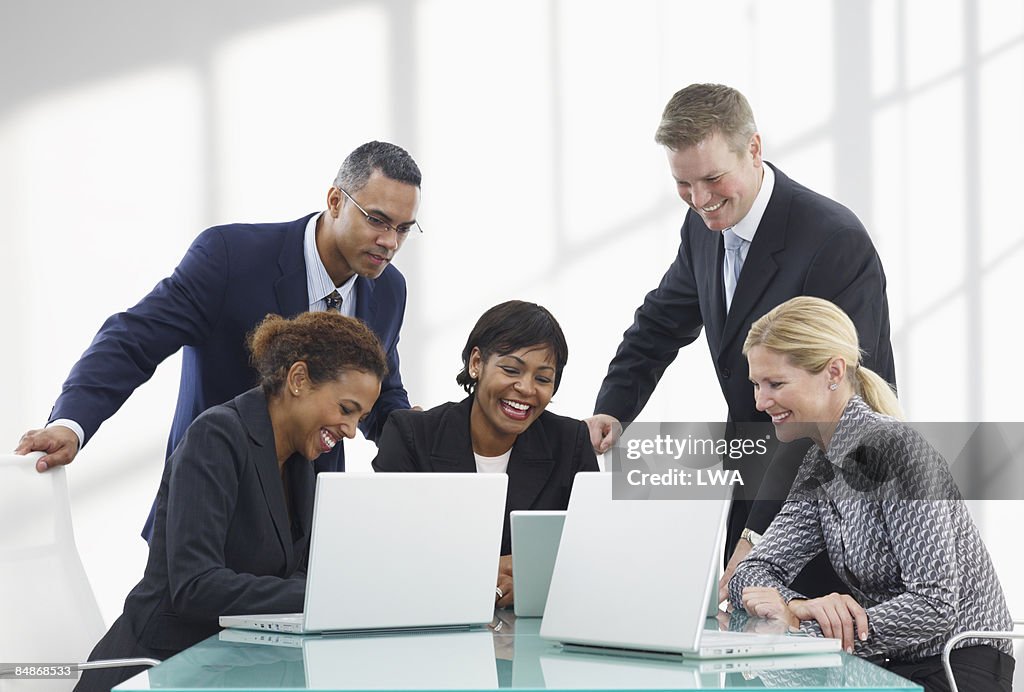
733	263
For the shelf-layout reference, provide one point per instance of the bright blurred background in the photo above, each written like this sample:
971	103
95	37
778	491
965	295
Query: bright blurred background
126	128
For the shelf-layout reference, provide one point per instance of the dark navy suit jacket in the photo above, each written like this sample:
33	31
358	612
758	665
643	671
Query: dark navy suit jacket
806	244
223	540
231	278
545	457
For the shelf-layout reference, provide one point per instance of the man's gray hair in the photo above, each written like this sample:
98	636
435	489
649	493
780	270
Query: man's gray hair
391	160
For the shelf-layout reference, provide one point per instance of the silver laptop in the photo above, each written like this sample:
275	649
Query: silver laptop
397	551
632	576
535	537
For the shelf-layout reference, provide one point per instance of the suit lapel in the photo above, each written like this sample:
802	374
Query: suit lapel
303	490
366	306
707	252
530	466
290	287
453	446
252	408
760	266
715	326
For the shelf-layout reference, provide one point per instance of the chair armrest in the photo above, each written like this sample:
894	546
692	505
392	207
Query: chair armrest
118	663
955	639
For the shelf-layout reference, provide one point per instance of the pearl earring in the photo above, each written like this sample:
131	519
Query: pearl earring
834	386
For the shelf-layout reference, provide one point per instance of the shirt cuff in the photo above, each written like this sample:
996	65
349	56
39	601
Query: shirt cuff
73	427
811	628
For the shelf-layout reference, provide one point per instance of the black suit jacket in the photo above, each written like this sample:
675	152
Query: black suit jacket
223	541
545	457
806	244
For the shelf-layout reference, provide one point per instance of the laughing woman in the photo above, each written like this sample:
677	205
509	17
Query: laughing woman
875	497
511	367
235	506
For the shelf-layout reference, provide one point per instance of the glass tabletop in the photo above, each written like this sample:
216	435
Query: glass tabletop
509	654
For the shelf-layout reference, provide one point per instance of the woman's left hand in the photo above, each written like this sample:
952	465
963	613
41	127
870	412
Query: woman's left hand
766	602
839	615
503	594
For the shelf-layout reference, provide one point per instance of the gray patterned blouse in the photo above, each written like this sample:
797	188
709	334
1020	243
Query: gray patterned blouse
884	505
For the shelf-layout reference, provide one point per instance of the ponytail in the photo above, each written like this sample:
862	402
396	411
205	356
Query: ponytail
877	393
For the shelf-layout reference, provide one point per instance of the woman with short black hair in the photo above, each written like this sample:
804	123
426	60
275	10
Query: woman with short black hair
512	365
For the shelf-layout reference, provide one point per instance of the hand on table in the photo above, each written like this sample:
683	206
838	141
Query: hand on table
504	592
766	602
838	615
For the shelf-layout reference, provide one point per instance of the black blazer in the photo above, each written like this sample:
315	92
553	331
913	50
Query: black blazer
806	244
545	457
223	542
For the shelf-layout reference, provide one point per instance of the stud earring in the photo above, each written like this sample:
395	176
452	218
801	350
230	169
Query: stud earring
834	386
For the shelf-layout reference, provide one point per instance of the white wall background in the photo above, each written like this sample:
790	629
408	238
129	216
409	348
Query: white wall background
126	128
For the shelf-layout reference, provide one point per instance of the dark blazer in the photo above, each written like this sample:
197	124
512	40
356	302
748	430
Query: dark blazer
545	457
223	541
806	244
228	281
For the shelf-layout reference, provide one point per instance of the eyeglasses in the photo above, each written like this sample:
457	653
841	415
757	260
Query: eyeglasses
379	223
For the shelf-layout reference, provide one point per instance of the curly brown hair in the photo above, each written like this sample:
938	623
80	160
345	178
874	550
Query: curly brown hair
328	343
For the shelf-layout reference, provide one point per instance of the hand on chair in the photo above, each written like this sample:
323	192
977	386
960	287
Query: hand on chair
58	442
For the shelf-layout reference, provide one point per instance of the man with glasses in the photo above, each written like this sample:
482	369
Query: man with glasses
752	238
230	278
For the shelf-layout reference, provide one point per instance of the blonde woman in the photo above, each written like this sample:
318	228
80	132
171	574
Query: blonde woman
879	501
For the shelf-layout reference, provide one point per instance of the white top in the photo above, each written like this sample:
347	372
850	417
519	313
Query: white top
498	464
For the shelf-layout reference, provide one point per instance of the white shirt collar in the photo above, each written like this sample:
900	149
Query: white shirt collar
318	282
747	226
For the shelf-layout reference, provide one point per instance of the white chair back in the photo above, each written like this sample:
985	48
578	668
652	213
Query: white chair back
48	613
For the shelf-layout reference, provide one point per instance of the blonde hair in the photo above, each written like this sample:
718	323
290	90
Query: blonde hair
810	332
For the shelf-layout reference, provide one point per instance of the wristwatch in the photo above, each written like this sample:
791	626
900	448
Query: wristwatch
751	537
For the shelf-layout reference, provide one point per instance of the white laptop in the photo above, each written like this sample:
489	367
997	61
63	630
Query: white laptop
632	576
398	551
535	537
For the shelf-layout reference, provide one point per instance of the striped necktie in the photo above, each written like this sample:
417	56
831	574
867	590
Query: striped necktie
333	302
